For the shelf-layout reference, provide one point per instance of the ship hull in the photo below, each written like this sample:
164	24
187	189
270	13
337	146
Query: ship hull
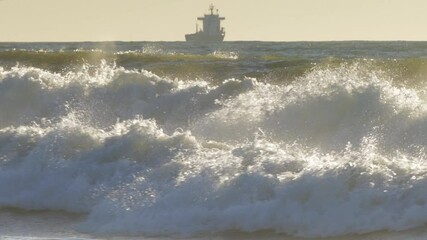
201	38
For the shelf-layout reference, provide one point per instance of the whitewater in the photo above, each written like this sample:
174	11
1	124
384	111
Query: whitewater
149	140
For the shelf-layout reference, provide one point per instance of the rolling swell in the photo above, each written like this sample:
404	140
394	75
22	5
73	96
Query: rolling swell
212	65
165	63
337	149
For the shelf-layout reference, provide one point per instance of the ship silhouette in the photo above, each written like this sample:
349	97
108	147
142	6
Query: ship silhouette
212	31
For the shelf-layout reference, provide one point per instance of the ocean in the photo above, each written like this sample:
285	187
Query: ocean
243	140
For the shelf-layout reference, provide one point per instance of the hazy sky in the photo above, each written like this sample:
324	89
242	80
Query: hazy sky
169	20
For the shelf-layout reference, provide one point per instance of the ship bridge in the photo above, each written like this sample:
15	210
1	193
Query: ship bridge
212	22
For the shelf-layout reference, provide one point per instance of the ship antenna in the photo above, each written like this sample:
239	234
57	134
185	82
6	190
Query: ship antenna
211	8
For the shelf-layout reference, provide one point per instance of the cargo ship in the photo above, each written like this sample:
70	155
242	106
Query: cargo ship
212	32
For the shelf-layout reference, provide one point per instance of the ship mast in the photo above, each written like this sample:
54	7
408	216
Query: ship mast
211	8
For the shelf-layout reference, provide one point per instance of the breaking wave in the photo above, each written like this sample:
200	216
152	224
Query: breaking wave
340	149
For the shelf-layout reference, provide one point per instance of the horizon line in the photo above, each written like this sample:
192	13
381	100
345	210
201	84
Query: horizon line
230	41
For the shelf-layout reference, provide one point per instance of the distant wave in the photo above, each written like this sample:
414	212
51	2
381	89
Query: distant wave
215	66
93	56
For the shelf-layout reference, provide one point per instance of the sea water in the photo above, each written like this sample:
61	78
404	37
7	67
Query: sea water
141	140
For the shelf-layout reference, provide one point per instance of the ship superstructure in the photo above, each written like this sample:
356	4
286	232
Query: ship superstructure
212	31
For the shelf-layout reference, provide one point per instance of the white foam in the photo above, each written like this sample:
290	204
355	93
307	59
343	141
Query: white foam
225	55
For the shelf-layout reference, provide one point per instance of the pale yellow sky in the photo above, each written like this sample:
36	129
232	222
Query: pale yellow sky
169	20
